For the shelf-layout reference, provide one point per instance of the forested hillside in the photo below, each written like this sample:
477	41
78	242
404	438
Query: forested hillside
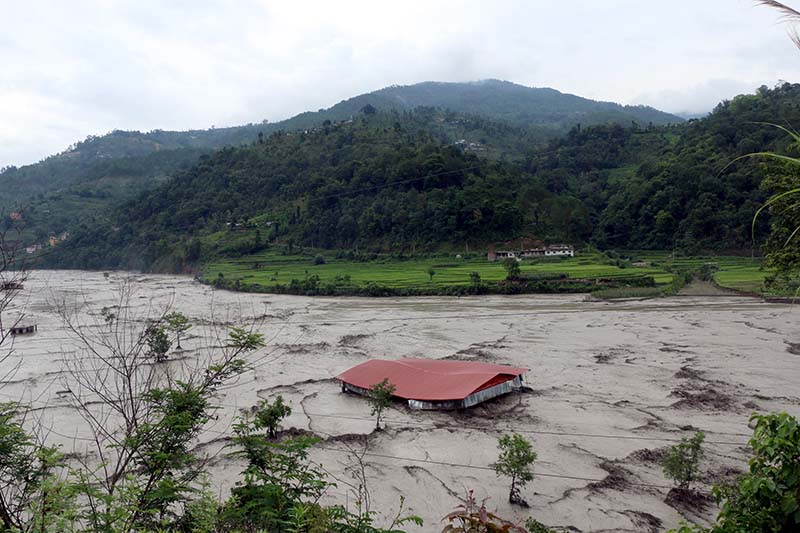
379	181
670	188
398	182
102	171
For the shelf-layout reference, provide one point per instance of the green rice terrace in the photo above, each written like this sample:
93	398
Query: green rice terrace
612	275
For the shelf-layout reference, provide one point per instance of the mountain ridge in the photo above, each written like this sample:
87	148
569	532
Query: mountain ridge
104	170
389	182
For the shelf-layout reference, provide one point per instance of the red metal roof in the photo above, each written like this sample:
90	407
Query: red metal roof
429	379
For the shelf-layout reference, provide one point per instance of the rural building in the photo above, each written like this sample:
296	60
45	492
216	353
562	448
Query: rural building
551	250
559	249
435	384
23	329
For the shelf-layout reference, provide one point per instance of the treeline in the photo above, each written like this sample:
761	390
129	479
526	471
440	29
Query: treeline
672	188
397	181
383	180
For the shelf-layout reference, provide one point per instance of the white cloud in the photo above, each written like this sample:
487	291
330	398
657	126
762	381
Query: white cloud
70	69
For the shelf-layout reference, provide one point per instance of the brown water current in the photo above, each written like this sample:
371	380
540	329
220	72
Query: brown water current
611	385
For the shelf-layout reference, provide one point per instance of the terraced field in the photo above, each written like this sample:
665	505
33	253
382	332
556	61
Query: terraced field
274	268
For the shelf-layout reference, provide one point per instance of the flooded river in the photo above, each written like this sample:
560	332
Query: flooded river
612	384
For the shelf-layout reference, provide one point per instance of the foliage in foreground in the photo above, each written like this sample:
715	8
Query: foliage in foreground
472	517
767	498
152	476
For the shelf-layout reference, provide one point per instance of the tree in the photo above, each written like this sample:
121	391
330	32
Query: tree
379	398
178	324
144	418
475	281
783	248
431	272
767	498
157	341
282	489
515	461
108	316
512	267
32	494
682	462
269	416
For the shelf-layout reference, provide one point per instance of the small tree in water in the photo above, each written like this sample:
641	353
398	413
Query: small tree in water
269	416
515	461
682	463
177	323
157	342
380	397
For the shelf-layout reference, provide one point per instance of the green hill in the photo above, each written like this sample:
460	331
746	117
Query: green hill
397	182
102	171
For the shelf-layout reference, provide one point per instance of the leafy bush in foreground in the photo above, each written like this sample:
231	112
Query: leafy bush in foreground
767	498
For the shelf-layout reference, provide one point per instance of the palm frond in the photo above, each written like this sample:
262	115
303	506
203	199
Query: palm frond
791	236
769	155
789	14
795	135
795	37
768	203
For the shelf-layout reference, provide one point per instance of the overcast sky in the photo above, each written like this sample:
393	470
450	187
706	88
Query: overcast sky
69	69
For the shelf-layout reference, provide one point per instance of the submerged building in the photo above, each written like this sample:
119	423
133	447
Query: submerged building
433	384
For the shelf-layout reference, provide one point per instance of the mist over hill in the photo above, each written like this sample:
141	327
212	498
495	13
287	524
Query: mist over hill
502	100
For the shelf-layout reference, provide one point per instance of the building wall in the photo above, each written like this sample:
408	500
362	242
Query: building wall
471	400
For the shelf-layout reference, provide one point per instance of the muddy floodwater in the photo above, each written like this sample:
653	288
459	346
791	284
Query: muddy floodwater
611	385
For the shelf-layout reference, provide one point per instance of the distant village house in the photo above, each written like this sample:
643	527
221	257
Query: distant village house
537	250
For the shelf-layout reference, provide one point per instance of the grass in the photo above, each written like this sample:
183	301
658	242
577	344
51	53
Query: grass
742	278
276	267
